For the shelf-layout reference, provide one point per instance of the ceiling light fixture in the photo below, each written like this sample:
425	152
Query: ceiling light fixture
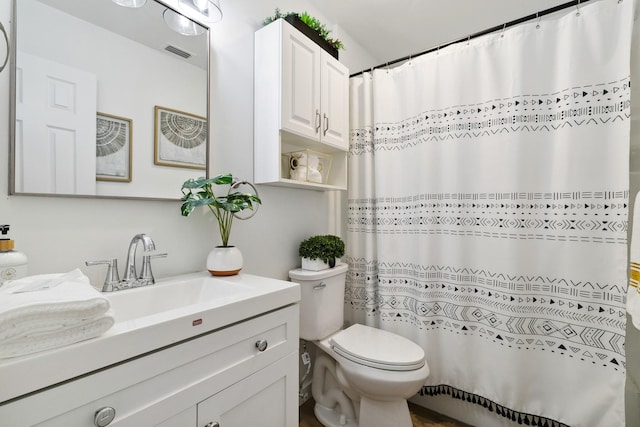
210	10
181	24
130	3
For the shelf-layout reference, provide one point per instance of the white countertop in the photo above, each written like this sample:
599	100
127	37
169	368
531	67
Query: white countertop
138	335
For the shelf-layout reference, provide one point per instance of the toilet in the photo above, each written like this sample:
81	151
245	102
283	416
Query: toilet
362	376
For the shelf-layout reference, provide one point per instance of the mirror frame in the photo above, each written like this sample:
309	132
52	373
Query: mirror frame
12	115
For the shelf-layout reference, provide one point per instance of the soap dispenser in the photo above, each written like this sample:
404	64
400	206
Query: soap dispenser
13	264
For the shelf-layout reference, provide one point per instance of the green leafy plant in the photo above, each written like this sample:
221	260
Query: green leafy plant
311	22
277	15
199	192
323	247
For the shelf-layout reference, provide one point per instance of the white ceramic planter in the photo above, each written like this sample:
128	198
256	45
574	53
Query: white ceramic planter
314	264
224	261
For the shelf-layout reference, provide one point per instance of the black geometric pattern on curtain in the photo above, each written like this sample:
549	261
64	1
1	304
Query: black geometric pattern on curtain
591	105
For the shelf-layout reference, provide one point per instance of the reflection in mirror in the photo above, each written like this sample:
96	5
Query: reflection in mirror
109	101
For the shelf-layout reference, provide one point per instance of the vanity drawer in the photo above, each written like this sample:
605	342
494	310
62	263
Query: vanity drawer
153	388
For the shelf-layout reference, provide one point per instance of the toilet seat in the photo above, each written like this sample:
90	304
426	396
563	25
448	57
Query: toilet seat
377	349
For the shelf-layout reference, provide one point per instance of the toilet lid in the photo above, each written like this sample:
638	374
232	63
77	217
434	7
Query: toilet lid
377	348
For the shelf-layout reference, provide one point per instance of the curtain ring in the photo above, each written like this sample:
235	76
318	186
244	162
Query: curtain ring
537	20
578	8
234	186
504	27
468	40
6	40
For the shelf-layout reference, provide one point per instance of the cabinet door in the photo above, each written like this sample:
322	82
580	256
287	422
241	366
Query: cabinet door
335	102
267	398
300	84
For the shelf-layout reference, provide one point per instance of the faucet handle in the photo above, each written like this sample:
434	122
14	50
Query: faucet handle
146	275
112	279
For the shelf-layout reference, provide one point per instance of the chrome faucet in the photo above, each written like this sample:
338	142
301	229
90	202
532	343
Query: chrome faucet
130	275
112	280
131	279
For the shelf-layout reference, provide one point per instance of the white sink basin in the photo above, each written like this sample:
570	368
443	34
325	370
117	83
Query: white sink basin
179	293
150	318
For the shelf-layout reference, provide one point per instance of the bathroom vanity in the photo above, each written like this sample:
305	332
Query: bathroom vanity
190	351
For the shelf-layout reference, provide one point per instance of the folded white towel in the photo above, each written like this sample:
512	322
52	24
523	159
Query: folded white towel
633	291
48	303
29	344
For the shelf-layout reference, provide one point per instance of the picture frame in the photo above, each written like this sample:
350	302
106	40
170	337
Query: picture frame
113	148
180	139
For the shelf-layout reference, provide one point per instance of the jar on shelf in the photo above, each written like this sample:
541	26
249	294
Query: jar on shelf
307	166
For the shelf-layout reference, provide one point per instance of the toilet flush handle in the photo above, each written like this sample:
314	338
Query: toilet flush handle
319	286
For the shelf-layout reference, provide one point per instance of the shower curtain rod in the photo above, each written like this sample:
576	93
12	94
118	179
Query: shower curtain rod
481	33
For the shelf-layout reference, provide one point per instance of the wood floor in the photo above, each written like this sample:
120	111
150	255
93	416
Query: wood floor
420	416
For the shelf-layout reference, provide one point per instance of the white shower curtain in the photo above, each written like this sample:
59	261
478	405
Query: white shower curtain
488	191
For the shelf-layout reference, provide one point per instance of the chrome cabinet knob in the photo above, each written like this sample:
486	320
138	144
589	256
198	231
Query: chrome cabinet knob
262	345
212	424
104	416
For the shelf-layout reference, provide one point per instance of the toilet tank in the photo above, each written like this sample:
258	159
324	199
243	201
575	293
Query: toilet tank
321	302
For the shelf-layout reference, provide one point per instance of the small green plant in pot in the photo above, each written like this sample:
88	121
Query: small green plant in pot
224	260
320	252
313	23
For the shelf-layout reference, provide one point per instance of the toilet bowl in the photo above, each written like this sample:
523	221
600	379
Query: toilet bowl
362	375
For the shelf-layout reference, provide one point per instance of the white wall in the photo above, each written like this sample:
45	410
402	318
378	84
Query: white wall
59	233
287	215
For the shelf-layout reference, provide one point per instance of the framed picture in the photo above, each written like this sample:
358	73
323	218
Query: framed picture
180	139
113	148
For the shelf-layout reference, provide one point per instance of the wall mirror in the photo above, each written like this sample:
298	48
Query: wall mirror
108	101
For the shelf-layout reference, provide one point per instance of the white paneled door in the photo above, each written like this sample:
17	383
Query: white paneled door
55	127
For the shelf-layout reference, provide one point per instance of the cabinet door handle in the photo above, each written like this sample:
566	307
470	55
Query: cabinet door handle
212	424
326	125
261	345
318	120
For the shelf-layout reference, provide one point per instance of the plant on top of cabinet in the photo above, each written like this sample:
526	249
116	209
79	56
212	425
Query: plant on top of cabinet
316	27
320	252
223	260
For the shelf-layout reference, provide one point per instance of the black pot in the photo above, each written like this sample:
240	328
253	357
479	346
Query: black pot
310	33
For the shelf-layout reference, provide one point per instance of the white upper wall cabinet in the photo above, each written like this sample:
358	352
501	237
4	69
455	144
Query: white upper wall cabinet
301	103
314	92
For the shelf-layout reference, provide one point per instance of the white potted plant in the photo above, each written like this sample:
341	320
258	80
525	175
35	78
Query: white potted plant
320	252
224	260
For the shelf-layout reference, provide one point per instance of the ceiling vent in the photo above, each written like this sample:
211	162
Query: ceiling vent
177	51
